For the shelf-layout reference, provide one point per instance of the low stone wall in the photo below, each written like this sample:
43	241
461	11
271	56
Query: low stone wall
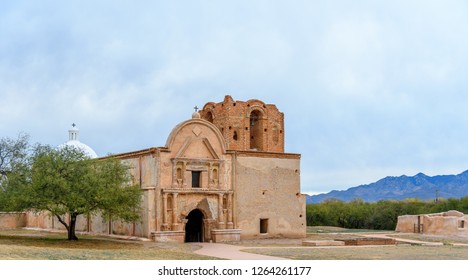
367	241
92	224
316	243
12	220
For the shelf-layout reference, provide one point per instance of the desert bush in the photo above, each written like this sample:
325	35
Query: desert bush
382	215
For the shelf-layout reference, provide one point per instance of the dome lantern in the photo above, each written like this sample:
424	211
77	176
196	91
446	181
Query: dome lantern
73	141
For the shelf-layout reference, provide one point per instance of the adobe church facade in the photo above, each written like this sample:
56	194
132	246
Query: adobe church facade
222	176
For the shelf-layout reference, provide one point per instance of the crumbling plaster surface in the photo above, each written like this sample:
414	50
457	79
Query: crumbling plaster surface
445	223
269	188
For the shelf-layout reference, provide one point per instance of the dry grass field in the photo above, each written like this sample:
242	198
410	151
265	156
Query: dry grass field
39	245
398	252
452	249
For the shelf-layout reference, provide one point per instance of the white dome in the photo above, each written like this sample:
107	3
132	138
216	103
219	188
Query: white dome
80	146
74	142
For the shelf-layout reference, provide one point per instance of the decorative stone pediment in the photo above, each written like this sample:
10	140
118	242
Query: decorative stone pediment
197	148
198	132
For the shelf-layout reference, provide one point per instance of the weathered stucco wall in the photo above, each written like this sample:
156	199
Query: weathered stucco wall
406	223
445	223
92	224
145	171
268	187
42	220
11	220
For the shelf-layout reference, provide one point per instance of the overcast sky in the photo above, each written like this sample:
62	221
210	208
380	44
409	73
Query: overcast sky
368	88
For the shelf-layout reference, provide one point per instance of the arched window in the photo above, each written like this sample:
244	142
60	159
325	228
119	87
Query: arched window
256	130
209	117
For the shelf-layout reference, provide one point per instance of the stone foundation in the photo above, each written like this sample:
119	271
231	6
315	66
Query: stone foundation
367	241
225	235
168	236
314	243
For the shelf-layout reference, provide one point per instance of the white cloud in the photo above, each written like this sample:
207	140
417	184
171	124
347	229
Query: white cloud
367	88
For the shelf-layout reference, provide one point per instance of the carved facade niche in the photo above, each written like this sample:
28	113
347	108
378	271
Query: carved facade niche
178	174
196	173
214	169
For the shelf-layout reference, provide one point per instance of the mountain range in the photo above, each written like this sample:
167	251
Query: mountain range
419	186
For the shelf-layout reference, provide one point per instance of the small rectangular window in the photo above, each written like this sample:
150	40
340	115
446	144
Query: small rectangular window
196	179
263	225
461	224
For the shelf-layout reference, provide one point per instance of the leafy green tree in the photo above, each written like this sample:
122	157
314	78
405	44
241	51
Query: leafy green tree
376	215
67	183
464	204
12	153
13	159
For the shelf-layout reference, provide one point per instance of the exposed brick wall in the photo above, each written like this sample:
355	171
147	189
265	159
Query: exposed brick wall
247	125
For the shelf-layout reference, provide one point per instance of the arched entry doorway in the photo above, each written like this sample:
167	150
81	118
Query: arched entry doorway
194	227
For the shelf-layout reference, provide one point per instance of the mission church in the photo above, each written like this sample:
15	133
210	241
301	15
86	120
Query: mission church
222	176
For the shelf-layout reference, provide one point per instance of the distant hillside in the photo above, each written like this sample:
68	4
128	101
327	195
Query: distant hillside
397	188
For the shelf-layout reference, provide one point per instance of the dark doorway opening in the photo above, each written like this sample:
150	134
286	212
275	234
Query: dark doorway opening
194	227
196	175
263	225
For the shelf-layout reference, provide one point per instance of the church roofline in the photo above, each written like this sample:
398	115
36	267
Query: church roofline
157	150
264	154
132	154
228	99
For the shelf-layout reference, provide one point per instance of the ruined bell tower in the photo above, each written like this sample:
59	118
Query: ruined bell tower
247	126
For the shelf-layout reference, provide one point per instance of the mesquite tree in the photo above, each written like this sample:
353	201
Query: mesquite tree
13	161
66	183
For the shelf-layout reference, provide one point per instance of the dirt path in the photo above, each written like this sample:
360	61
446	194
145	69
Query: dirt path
230	252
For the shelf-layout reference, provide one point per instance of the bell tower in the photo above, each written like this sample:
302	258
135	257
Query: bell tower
247	125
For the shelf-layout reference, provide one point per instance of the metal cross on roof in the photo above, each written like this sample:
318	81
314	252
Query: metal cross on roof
73	124
196	108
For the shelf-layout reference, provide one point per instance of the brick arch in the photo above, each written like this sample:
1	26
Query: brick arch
256	102
257	124
255	107
209	116
232	118
207	113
